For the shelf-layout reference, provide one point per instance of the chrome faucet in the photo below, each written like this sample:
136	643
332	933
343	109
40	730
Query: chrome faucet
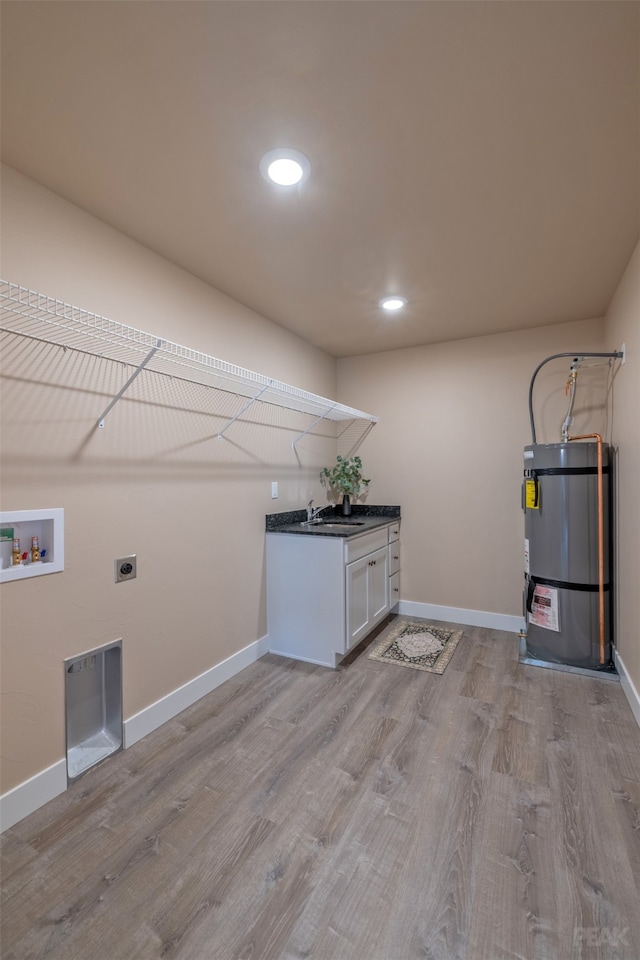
312	512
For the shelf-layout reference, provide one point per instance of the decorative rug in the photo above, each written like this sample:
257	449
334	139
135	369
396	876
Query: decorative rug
416	644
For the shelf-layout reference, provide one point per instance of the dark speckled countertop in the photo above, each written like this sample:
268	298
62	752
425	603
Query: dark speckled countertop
363	518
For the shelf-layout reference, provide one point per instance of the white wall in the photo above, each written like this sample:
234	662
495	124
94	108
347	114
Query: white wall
622	325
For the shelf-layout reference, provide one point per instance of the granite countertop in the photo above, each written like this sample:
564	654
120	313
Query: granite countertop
363	518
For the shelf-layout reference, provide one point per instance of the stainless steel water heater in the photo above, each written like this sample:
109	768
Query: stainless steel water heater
567	596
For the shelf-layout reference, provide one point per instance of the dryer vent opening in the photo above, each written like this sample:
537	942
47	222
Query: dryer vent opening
93	707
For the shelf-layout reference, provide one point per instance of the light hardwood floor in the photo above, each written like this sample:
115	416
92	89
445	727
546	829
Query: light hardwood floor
368	813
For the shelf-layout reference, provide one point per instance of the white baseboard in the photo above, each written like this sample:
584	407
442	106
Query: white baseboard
33	793
44	786
628	686
473	618
153	716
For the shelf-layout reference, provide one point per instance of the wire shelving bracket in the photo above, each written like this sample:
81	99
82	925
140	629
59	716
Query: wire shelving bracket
136	373
322	416
244	407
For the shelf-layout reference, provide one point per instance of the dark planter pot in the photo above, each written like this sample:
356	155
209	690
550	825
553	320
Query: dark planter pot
345	507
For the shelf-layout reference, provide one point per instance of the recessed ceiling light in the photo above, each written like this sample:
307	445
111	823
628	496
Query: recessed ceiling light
285	167
393	303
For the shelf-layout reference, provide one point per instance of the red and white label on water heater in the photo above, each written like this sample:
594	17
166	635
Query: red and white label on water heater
544	608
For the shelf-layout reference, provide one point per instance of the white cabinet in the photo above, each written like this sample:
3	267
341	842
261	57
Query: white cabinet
325	594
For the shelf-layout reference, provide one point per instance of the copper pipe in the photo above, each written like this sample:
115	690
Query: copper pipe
596	436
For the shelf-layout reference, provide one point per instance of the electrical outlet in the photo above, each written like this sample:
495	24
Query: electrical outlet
274	490
125	568
623	351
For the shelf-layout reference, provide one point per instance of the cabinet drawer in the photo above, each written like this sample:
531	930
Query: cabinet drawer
394	557
361	546
394	590
394	531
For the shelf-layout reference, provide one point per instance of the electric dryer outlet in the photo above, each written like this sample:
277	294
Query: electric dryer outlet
125	568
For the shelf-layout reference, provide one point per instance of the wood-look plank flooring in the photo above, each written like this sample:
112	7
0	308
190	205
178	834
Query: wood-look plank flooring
367	813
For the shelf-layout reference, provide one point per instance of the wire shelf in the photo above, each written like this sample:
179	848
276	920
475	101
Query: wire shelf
39	317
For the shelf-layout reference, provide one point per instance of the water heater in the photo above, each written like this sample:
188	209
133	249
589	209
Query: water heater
567	598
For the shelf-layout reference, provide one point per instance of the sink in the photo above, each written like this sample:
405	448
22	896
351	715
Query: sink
332	523
342	523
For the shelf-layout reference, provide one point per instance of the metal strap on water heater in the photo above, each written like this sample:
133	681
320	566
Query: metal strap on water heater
559	585
564	471
568	584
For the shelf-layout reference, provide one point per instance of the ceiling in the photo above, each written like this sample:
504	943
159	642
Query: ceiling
480	158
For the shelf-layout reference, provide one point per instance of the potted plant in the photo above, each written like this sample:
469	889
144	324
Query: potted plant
345	477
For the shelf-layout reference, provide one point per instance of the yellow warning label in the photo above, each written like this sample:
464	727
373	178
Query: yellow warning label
531	498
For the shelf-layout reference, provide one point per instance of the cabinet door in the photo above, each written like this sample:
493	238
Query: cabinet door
357	600
367	594
378	585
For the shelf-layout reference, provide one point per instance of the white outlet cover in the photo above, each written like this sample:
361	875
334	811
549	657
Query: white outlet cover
274	490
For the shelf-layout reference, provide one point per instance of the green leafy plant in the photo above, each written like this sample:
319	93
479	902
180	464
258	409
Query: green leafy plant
346	476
